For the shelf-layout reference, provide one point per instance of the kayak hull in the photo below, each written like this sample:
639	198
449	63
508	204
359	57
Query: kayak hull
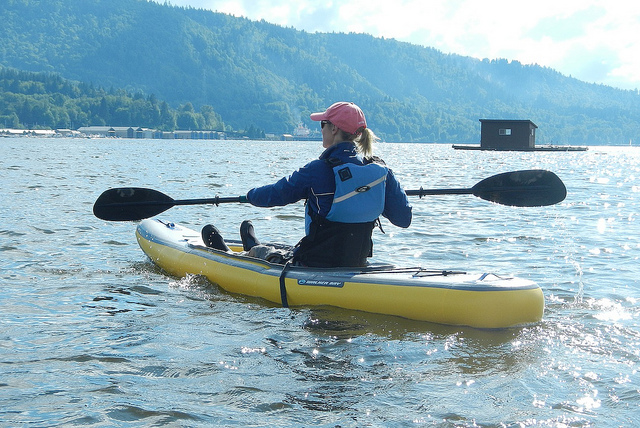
439	296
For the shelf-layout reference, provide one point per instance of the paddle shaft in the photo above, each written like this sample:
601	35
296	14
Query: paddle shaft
471	191
425	192
204	201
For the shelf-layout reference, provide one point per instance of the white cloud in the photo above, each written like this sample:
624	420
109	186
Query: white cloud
593	40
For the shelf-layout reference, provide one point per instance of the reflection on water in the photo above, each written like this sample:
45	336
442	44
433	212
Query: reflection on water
94	334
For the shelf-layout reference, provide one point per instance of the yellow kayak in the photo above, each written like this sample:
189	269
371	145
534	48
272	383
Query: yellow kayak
482	300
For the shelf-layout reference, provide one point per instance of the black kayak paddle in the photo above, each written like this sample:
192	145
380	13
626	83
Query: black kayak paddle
527	188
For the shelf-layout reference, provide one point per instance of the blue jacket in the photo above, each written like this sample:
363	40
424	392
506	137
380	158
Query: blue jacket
315	183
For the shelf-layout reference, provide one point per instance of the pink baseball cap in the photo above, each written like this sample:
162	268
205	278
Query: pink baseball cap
346	116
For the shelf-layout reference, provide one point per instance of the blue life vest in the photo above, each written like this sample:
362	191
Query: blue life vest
359	195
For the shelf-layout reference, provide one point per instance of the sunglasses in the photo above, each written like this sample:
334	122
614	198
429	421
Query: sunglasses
323	123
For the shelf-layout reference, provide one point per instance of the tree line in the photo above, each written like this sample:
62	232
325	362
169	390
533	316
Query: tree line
30	100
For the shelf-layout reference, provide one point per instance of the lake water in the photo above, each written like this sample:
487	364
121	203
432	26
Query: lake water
93	334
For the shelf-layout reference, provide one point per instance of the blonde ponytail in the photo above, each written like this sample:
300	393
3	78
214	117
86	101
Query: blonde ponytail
365	142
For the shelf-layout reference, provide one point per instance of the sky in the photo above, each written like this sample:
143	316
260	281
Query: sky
597	41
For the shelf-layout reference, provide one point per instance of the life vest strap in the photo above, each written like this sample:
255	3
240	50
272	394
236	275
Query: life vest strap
360	189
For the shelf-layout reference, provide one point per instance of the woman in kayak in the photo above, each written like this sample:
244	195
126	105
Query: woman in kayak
345	190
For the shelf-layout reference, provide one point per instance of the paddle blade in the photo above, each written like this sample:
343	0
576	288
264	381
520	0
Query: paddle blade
130	203
528	188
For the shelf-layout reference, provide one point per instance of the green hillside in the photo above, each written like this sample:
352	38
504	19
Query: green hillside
255	74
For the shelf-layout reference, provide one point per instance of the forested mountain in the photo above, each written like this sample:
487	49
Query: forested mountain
262	75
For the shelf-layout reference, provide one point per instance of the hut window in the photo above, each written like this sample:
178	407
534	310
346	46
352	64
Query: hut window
506	131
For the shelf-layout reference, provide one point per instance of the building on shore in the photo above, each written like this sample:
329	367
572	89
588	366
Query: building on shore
148	133
132	132
9	132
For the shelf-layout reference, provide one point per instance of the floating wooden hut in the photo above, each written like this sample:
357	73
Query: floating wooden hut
511	135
